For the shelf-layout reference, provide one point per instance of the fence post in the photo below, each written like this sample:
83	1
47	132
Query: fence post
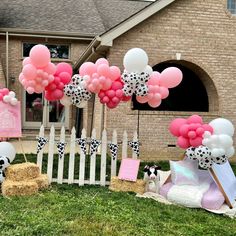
51	153
93	162
72	157
114	162
40	154
82	162
135	139
124	145
61	160
103	159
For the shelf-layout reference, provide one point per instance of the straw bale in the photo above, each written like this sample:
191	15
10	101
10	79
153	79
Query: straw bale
20	188
118	185
42	181
23	171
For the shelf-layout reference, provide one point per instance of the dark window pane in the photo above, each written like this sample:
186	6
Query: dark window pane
189	95
57	51
231	6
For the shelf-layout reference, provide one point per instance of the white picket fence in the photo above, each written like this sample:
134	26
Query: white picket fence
75	148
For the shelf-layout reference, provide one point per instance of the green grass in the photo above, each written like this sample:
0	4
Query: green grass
90	210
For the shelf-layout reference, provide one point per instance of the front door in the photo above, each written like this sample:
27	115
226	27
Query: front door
37	111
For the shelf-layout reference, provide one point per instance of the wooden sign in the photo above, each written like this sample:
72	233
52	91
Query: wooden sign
10	121
129	169
226	181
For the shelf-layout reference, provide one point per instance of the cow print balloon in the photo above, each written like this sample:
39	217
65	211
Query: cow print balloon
220	160
190	153
202	152
205	162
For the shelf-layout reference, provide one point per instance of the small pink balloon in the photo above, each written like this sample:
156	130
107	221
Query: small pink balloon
38	90
119	93
63	67
26	61
29	71
116	85
196	142
50	68
57	94
171	77
65	78
207	127
200	131
39	55
30	90
45	75
102	61
154	78
104	70
126	98
111	105
183	131
5	91
38	79
51	87
195	119
154	102
105	99
157	96
192	134
150	96
91	88
142	100
115	72
50	78
60	86
45	83
151	88
24	82
156	88
95	82
1	97
111	93
164	92
183	142
102	79
115	100
21	77
57	80
175	126
107	84
95	76
87	68
31	83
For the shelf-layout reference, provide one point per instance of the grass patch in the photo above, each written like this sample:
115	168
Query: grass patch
92	210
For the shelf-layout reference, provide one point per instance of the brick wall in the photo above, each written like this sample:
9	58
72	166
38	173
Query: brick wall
204	33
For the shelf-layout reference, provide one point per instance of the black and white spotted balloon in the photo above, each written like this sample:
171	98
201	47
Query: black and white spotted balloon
220	160
190	153
205	162
4	163
202	152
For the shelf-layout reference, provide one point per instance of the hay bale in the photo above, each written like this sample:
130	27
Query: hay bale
23	171
21	188
118	185
42	181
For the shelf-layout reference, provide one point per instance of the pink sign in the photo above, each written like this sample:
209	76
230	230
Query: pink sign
129	169
10	121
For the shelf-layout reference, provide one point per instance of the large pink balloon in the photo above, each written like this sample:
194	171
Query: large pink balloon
195	119
114	72
101	61
171	77
29	71
143	99
87	68
183	142
39	56
175	125
64	67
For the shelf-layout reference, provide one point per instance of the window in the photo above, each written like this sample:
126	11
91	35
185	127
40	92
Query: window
189	95
231	6
57	51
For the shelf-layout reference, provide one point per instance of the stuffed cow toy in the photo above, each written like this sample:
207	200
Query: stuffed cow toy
4	163
152	178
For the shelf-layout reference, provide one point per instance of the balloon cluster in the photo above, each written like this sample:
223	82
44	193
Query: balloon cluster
159	84
189	131
75	92
37	70
8	97
62	76
99	76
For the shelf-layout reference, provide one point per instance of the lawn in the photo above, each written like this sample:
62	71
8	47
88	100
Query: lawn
73	210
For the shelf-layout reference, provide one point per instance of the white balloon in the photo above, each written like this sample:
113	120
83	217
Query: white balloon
8	150
7	99
148	69
65	101
13	101
230	152
12	94
135	60
225	141
217	152
222	126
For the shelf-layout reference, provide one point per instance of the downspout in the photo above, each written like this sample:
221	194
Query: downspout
7	55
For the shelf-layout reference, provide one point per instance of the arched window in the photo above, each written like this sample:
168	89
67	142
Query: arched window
231	6
189	95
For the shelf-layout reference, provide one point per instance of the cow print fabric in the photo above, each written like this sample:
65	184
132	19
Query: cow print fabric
114	150
41	143
61	149
135	146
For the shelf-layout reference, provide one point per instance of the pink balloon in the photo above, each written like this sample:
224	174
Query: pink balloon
95	82
196	142
164	92
38	79
57	94
142	100
111	105
45	83
192	134
57	80
60	86
31	83
39	56
51	78
87	68
104	70
175	126
154	102
105	99
26	61
183	142
183	131
115	100
115	72
65	77
51	87
111	93
107	84
195	119
30	90
171	77
101	94
50	68
102	61
154	78
200	131
116	85
91	88
126	98
156	88
119	93
21	77
63	67
29	71
5	91
150	96
1	97
207	127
